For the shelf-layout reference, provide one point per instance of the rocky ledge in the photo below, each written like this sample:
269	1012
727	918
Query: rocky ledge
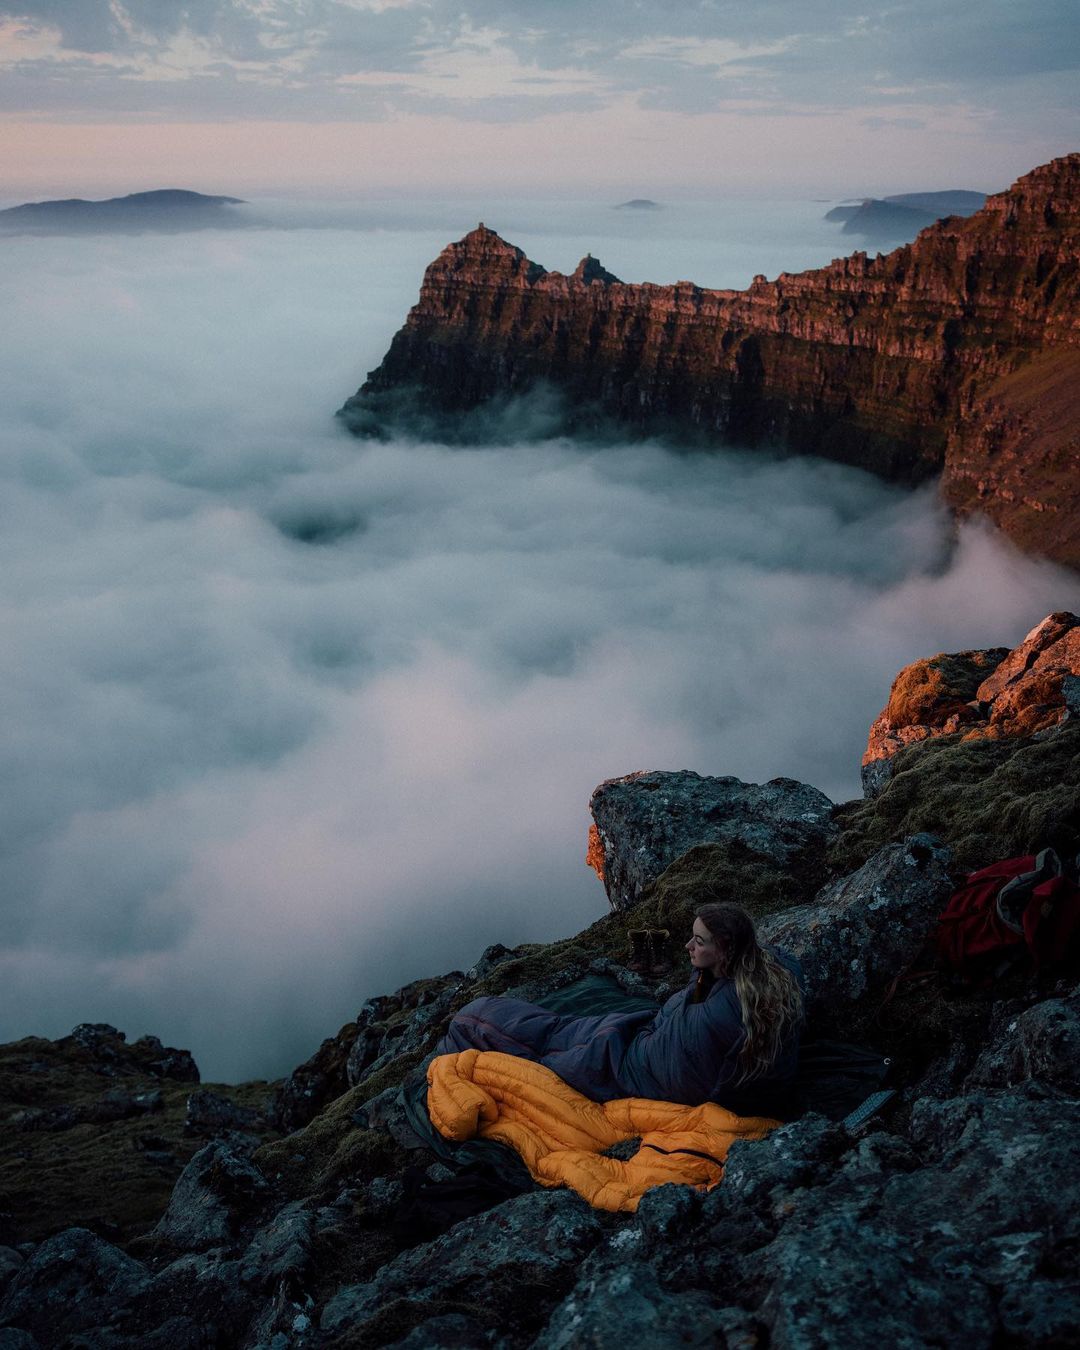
956	355
823	1234
976	695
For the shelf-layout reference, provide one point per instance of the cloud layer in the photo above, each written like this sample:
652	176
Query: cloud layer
291	719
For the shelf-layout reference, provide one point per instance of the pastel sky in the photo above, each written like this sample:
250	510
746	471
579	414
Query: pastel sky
824	96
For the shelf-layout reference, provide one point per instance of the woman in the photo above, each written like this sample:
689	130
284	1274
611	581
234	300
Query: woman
731	1036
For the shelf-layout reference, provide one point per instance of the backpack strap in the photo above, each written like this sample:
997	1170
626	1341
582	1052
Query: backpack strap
1015	896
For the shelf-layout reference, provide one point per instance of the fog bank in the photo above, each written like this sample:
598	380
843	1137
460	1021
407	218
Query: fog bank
293	719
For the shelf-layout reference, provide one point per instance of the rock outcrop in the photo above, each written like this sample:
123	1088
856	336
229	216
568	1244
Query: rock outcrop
977	695
643	822
95	1130
894	363
862	931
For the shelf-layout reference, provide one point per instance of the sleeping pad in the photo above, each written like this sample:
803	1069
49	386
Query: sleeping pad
561	1134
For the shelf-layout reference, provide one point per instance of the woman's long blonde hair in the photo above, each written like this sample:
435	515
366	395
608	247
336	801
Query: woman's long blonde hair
768	993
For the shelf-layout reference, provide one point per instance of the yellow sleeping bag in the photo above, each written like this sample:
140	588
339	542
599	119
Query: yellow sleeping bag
561	1135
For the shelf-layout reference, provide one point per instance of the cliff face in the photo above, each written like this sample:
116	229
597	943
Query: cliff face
885	363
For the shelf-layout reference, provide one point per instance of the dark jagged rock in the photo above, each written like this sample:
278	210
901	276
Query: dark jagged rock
193	1300
613	1309
883	363
1042	1042
217	1188
11	1338
51	1118
643	822
164	1061
386	1027
318	1080
386	1111
209	1114
11	1262
861	932
448	1331
426	1005
367	1038
523	1253
490	958
282	1250
75	1281
109	1053
117	1104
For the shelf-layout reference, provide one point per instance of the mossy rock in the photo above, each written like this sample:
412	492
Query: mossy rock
112	1176
334	1149
987	799
722	872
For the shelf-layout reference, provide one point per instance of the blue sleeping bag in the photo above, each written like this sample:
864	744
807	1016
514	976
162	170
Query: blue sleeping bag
683	1052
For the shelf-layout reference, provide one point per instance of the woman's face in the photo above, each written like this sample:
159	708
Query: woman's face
704	953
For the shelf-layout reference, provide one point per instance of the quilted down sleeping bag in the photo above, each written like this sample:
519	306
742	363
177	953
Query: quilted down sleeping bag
561	1135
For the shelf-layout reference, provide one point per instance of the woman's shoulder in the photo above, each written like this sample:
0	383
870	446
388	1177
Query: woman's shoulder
722	998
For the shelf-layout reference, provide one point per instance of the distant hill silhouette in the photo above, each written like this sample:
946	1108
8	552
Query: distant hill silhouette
167	210
899	218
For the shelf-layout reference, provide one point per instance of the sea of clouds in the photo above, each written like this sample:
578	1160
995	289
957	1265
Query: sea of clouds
290	719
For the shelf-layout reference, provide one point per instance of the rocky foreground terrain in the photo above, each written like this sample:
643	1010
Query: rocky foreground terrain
138	1208
956	355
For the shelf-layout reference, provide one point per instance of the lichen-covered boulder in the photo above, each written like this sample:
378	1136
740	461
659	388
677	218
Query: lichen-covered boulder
643	822
281	1249
72	1282
865	929
511	1263
614	1309
1042	1042
216	1190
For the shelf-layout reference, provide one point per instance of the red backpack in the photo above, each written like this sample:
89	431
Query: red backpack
1002	912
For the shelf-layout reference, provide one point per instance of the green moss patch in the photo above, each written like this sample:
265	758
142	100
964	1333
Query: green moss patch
334	1150
722	872
987	799
115	1176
